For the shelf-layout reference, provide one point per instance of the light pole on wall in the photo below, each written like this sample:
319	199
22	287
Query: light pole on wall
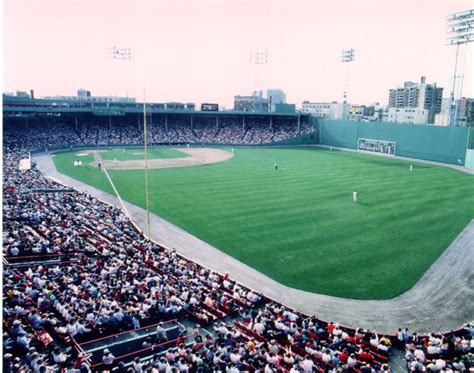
348	55
460	29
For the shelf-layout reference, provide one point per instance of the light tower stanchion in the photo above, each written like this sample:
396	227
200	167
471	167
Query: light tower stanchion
348	55
258	62
145	148
460	29
126	54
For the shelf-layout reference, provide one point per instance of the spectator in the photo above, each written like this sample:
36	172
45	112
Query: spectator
108	359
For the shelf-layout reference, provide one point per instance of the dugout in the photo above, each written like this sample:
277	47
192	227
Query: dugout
428	142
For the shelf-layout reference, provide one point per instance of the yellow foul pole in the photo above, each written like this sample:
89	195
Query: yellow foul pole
146	167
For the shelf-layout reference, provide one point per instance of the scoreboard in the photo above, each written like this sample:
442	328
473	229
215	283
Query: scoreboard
209	107
377	146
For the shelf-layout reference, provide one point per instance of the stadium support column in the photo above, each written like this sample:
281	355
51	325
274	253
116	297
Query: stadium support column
243	122
166	122
299	123
110	123
75	122
138	122
217	122
192	126
271	123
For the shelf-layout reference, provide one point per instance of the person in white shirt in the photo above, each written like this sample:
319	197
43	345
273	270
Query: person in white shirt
326	358
351	361
374	341
71	328
108	359
222	329
355	195
307	364
161	333
59	357
259	328
235	357
183	366
272	358
269	368
137	365
81	328
420	355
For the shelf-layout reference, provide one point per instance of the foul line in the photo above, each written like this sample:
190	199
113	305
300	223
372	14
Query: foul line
98	158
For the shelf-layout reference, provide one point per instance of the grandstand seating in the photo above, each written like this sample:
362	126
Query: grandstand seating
128	130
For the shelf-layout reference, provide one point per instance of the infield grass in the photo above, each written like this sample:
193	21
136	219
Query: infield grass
137	154
299	225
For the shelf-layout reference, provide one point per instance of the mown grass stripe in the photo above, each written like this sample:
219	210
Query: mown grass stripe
299	224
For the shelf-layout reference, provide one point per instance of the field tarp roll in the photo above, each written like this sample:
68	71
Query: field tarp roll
434	143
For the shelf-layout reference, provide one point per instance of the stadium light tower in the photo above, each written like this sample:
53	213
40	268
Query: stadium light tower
126	54
257	59
348	55
121	53
460	33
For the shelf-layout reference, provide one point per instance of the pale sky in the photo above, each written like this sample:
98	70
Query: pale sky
199	51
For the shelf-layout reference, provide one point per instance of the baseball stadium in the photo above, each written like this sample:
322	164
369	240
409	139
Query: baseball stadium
239	186
232	226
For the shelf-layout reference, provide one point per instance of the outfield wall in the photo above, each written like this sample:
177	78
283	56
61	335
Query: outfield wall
434	143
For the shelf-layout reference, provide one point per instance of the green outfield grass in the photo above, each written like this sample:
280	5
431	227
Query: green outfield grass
299	225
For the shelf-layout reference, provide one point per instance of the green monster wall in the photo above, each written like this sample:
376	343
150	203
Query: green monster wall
434	143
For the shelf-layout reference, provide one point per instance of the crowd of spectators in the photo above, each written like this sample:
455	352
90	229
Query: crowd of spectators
449	352
110	277
79	270
129	130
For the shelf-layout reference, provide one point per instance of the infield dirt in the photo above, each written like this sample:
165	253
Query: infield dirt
197	157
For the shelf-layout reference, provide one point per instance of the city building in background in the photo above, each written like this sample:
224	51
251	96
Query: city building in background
464	113
323	110
405	115
256	102
363	113
275	96
22	94
415	103
442	118
85	95
335	110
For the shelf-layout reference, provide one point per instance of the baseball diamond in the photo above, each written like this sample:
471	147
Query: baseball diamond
239	186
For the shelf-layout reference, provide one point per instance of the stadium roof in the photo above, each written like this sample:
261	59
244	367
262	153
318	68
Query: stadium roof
18	106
